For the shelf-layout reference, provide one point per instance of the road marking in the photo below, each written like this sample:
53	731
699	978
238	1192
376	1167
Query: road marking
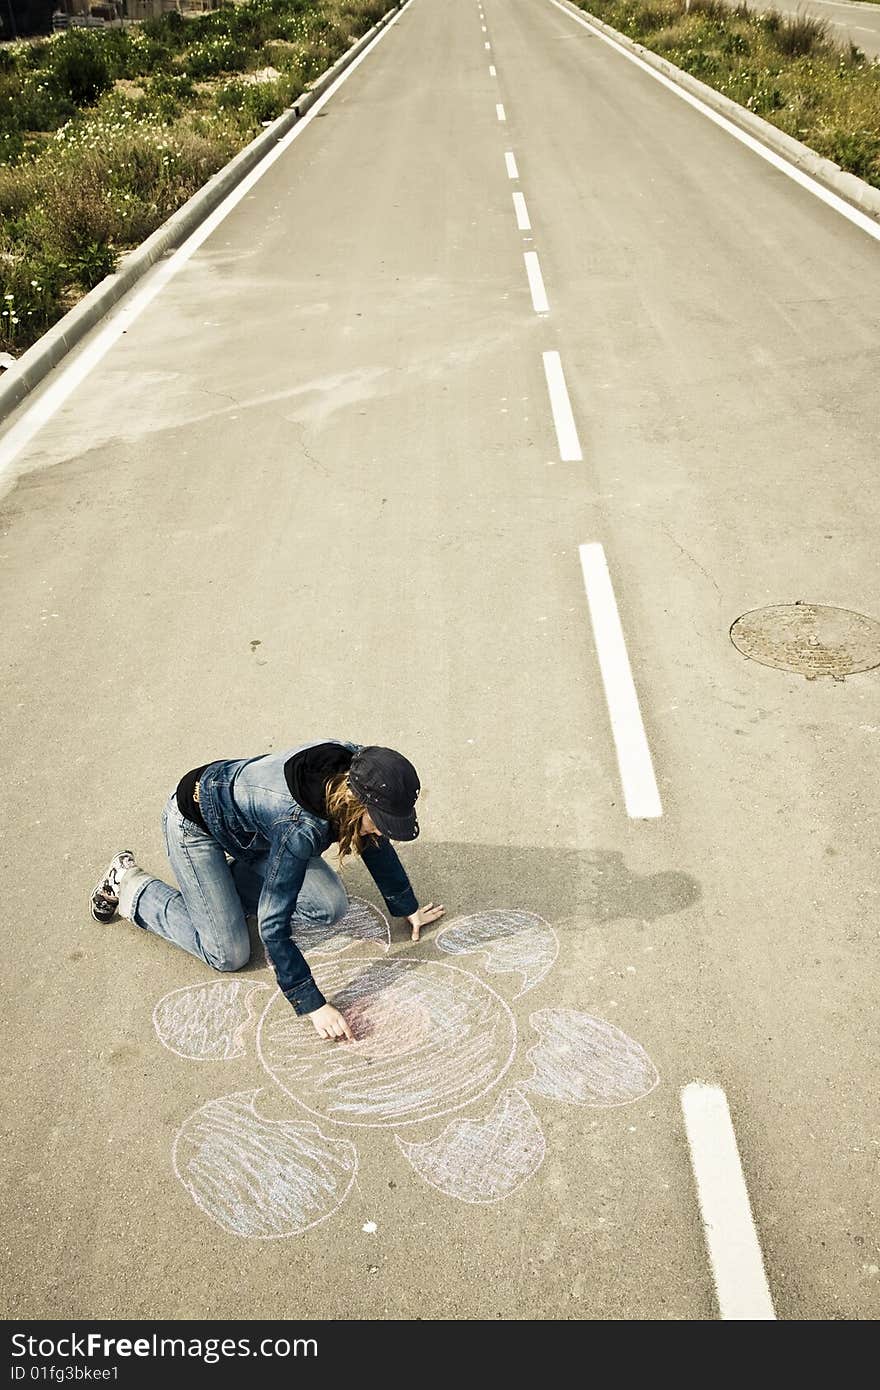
133	303
536	283
485	30
563	418
511	165
522	214
499	111
728	1223
852	214
487	46
633	754
492	72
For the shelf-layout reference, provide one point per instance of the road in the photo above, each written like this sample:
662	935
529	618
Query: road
849	21
316	490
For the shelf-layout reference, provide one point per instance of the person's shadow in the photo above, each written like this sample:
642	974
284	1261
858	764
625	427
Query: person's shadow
567	887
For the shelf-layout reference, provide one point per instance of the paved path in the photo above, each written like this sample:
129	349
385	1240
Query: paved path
316	491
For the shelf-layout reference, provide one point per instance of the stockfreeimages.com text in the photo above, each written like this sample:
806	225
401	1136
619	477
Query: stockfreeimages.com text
207	1349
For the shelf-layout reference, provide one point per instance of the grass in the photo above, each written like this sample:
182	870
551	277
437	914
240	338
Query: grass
786	69
105	133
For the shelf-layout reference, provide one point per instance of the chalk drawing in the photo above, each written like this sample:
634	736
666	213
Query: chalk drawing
482	1160
206	1023
586	1061
429	1039
363	924
519	942
266	1179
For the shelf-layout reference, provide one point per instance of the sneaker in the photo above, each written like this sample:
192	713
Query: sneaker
105	897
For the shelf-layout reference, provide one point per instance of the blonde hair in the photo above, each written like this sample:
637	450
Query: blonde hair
345	811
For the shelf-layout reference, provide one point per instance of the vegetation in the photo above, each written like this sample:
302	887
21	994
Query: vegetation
105	133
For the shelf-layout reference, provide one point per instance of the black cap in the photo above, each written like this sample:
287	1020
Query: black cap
387	784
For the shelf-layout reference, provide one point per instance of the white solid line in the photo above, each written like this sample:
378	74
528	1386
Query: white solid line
630	741
511	165
563	419
492	72
728	1223
522	214
499	111
859	219
132	304
536	285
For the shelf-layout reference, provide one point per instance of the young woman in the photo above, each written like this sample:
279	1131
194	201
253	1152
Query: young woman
246	838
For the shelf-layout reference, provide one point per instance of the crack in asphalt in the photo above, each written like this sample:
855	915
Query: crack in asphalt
692	559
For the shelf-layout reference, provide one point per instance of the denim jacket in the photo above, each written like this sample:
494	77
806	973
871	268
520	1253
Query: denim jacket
248	808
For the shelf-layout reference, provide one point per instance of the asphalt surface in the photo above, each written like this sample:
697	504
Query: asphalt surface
316	492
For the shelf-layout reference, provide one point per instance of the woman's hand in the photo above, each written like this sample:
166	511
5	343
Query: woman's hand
422	916
329	1023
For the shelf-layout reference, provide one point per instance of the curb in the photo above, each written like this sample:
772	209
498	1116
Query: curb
847	186
57	341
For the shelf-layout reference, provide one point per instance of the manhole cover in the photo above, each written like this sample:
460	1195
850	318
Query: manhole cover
809	638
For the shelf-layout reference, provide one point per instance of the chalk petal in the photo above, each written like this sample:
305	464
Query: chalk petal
261	1178
586	1061
206	1023
520	942
482	1160
363	924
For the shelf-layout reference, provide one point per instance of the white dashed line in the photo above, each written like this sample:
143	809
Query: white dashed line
536	284
728	1223
499	111
522	213
511	166
563	419
492	72
487	47
485	30
630	741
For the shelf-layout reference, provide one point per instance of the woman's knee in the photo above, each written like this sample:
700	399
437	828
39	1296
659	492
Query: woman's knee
330	909
231	958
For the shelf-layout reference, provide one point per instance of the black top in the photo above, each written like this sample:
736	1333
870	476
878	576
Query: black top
306	773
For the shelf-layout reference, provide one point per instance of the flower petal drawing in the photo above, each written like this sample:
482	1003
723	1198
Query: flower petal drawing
266	1179
363	924
585	1061
520	942
206	1023
482	1161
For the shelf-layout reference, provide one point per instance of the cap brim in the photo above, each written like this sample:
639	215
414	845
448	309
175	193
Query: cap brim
396	827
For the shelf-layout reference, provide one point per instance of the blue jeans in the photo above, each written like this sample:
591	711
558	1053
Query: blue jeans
206	916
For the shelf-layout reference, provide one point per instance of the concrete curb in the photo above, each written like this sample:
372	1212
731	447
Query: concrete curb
853	190
48	351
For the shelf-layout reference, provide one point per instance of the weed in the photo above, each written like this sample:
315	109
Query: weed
800	34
